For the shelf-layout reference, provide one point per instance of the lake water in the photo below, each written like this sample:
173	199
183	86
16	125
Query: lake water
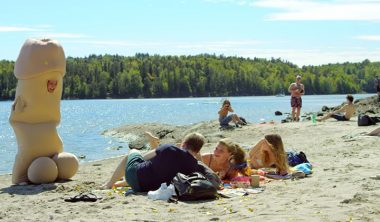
83	121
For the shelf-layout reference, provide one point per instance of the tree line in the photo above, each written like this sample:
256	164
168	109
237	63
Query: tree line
155	76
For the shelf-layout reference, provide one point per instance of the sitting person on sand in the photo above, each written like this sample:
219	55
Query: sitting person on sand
148	172
228	159
343	114
224	118
269	153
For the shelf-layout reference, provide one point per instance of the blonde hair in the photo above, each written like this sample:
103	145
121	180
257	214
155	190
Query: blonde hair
238	155
277	147
194	141
229	144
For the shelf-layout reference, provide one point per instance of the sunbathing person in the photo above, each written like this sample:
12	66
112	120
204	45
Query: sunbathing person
269	153
343	114
148	172
224	118
228	159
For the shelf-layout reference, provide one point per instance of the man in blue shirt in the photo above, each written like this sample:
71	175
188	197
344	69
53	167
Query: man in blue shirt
147	172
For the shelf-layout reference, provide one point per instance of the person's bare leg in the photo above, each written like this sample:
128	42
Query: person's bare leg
293	113
298	113
118	174
154	141
235	118
323	118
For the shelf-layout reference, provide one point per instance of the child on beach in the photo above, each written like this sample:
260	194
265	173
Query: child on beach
343	114
224	118
296	89
147	172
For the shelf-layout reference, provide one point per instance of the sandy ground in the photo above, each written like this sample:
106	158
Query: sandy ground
340	189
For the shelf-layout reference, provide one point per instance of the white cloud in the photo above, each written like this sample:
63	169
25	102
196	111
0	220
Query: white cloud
368	37
314	56
182	45
61	35
248	48
16	29
316	10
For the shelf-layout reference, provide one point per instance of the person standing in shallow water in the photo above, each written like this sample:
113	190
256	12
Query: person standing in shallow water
296	90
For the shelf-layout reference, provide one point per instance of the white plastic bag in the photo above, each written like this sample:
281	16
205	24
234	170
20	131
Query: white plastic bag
162	193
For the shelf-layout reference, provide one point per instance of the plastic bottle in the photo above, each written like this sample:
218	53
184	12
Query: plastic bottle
313	118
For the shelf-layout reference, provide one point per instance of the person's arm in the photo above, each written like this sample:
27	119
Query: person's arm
230	109
221	110
342	109
291	88
303	89
149	155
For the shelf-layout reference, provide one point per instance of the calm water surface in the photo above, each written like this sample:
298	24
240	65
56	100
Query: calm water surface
83	121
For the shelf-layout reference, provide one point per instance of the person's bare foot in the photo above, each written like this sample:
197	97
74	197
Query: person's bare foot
153	140
106	186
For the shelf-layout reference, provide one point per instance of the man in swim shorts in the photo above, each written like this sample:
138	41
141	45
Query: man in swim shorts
343	114
296	90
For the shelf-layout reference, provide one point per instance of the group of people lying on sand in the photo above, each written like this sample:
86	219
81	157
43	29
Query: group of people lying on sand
146	172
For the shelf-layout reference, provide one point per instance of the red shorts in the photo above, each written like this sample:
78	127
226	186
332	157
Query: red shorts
296	102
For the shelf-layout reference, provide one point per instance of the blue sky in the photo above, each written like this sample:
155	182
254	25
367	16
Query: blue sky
301	31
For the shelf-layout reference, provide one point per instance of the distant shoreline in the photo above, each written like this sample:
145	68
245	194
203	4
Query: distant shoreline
142	98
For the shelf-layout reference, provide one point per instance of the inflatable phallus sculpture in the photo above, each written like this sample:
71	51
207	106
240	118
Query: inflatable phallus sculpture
35	114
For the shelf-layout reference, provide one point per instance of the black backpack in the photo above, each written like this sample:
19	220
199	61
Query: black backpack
365	120
193	187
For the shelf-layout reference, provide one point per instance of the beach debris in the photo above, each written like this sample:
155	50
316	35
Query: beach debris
326	108
357	198
115	147
85	197
82	157
377	177
162	133
278	113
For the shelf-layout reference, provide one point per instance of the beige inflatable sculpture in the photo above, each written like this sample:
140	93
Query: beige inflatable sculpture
35	114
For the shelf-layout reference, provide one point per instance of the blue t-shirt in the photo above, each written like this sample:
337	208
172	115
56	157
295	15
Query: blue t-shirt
169	161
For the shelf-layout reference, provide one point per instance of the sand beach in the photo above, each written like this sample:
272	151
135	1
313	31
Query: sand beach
340	188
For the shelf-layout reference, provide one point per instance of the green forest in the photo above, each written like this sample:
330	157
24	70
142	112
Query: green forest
155	76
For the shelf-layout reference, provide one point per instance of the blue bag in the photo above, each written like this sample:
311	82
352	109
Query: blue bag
295	158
